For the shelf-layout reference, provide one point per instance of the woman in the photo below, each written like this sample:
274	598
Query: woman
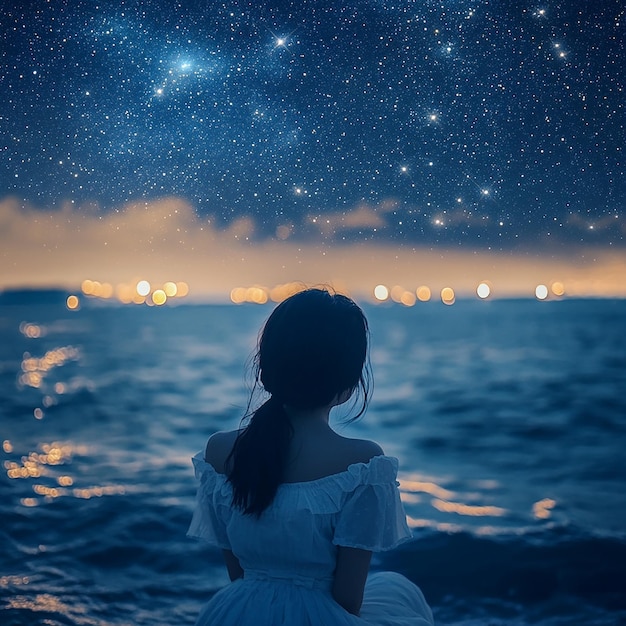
296	508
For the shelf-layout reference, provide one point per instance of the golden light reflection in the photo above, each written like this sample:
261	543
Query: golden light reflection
283	291
396	293
143	292
543	508
412	486
423	293
558	289
47	603
468	509
238	295
106	291
410	498
421	486
159	297
407	298
39	465
31	330
86	493
447	295
7	446
139	292
52	492
259	294
35	464
72	303
28	470
34	369
96	289
444	527
170	289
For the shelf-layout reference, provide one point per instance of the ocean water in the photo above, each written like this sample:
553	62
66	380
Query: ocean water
508	418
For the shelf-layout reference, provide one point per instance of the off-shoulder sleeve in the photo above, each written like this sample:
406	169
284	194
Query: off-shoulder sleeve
372	516
212	512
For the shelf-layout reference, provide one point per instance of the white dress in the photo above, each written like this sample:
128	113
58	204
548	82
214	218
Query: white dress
288	554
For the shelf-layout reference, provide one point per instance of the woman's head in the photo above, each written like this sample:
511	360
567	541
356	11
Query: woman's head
313	350
312	354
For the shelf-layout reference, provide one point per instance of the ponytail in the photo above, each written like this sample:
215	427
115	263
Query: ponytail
257	462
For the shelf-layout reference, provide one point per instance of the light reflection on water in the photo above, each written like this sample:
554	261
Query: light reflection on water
46	462
175	385
35	369
412	488
49	604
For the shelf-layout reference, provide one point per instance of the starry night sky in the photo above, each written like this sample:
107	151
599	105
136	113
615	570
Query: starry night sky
471	123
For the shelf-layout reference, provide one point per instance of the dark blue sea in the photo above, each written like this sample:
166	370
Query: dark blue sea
508	418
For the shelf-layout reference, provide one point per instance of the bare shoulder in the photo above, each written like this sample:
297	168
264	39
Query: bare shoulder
360	450
218	448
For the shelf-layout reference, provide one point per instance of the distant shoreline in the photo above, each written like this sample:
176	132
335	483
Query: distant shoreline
58	296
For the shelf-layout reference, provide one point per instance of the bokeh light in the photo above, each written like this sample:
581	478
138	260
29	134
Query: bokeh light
182	289
447	295
72	303
423	293
143	288
396	293
170	289
483	290
381	293
159	297
407	298
238	295
124	293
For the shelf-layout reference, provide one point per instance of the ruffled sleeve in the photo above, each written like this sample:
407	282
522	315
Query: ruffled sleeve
372	516
212	511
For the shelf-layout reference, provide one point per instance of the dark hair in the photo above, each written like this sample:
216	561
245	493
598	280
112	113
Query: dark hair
312	348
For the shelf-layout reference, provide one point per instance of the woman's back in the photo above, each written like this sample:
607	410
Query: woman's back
296	508
289	554
315	451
